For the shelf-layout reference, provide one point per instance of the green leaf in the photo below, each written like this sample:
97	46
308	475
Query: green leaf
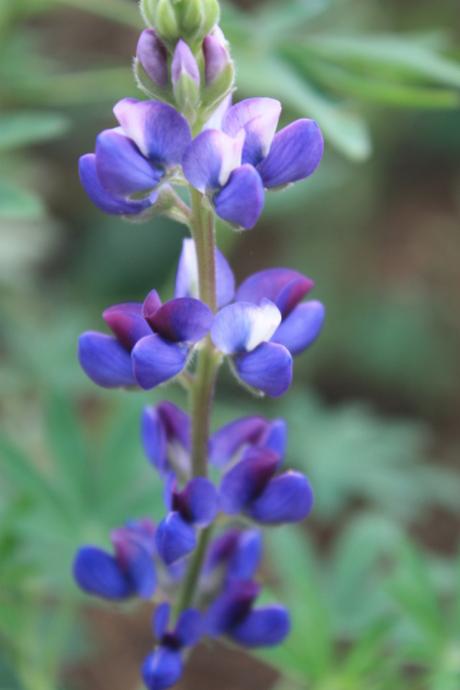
25	128
18	203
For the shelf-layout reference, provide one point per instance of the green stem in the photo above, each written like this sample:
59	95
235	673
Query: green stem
188	591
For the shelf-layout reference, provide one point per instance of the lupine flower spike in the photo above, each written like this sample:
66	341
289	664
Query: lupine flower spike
190	154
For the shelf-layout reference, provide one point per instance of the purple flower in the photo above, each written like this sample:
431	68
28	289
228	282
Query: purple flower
130	572
216	55
194	507
233	614
152	54
236	554
132	161
163	667
234	164
151	342
165	431
254	488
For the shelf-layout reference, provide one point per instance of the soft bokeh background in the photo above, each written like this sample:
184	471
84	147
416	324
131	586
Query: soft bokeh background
374	577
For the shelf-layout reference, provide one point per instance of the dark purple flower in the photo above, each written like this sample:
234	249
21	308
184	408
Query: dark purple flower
151	342
193	508
163	667
130	572
254	488
234	164
233	614
132	161
236	555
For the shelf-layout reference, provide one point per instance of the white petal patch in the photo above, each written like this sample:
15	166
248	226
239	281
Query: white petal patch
242	326
231	156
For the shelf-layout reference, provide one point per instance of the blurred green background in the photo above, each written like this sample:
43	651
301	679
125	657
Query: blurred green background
374	578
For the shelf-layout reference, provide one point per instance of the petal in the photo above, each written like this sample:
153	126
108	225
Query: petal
136	561
282	286
187	275
162	669
242	199
156	361
259	118
175	538
247	556
151	305
244	482
210	159
229	439
105	360
287	498
165	431
153	56
159	131
127	322
197	503
216	56
98	573
267	368
120	167
295	154
161	619
275	437
230	608
189	627
241	327
182	320
263	627
184	62
301	328
101	197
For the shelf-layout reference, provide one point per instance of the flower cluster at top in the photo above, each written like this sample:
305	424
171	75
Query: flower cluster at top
199	564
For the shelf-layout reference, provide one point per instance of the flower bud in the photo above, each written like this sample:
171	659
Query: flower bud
190	20
185	76
153	56
219	68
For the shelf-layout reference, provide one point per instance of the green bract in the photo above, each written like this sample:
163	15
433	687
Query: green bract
191	20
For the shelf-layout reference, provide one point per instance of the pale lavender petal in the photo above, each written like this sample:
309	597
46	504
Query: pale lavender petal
184	63
287	498
295	154
244	482
102	198
210	159
263	627
182	320
241	327
159	131
156	361
229	439
187	275
127	322
121	168
301	328
216	56
153	56
105	360
241	201
267	368
259	118
283	286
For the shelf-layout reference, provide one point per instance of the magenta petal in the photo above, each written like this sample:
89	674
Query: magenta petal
301	328
259	118
287	498
295	154
241	201
105	360
153	56
244	482
103	199
121	168
156	361
263	627
267	368
127	322
283	286
229	439
159	131
182	320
